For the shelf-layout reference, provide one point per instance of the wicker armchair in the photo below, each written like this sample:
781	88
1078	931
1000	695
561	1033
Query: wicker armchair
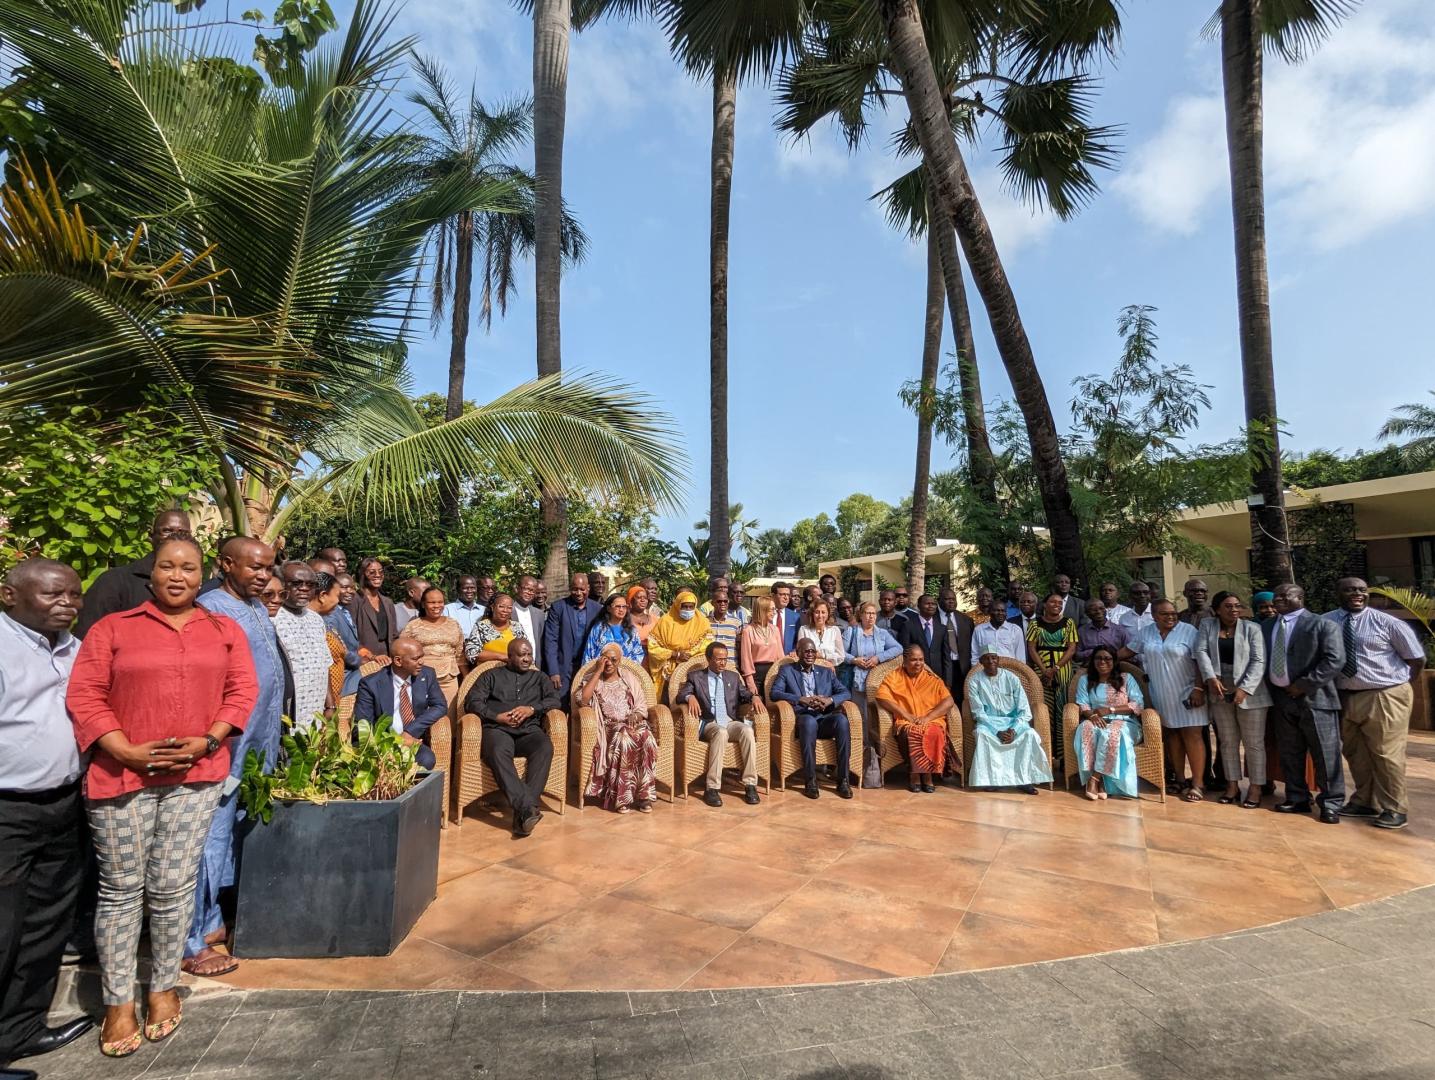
692	756
888	748
346	703
1035	697
1150	752
787	753
585	730
473	779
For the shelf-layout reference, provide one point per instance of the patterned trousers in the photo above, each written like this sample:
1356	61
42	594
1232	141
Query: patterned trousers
149	844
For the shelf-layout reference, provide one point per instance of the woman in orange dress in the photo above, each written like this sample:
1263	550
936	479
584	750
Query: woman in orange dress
643	621
919	702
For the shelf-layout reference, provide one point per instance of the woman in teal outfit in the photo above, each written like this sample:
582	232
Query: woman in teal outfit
1105	741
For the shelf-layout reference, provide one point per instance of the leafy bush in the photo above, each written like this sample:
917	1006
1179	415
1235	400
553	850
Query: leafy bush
317	764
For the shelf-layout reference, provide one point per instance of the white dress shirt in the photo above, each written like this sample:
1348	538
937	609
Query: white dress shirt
524	617
1008	639
1284	678
37	741
1134	620
1117	613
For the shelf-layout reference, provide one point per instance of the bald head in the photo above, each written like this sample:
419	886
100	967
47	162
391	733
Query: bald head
167	525
42	595
246	563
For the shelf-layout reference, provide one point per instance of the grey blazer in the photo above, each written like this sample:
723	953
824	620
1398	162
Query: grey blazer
1249	665
1314	656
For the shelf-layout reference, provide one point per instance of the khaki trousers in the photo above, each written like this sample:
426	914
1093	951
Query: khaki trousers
1374	726
740	735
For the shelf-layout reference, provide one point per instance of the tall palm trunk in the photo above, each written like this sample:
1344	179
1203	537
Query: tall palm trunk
552	20
724	124
953	186
981	464
458	346
1241	59
926	407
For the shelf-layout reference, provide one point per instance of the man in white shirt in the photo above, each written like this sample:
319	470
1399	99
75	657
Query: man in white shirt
1111	598
42	836
1138	616
526	613
305	641
466	610
998	634
1383	659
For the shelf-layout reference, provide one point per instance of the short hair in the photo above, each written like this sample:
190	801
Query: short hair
27	570
708	652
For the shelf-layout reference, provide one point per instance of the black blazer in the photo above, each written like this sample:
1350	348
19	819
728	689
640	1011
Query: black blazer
959	640
366	620
912	633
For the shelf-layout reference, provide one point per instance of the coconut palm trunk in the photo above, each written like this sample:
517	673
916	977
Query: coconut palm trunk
931	361
724	125
458	346
552	21
1241	72
912	64
981	463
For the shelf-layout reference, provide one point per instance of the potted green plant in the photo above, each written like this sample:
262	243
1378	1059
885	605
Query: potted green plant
1420	605
340	856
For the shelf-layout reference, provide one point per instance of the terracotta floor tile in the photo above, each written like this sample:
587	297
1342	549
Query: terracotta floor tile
455	864
756	961
612	944
1089	860
1220	842
481	975
594	862
938	835
988	941
1109	915
478	913
414	965
897	872
691	827
794	849
859	926
1181	918
728	892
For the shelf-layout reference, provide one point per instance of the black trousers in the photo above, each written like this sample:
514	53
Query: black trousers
501	745
42	861
1301	730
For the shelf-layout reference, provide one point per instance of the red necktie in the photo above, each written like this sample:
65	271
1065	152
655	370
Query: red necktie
406	707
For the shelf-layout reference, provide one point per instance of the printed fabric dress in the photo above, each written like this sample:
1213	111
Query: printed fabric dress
1051	643
1109	751
626	640
625	757
443	645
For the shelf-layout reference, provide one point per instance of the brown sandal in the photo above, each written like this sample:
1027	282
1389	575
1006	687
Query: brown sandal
192	965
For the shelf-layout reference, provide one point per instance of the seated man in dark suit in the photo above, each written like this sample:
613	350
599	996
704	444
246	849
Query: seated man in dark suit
512	701
406	691
816	694
717	696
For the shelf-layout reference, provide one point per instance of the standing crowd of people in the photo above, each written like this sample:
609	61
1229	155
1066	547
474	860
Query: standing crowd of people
127	713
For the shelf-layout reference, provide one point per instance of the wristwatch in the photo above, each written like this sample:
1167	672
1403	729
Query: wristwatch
211	744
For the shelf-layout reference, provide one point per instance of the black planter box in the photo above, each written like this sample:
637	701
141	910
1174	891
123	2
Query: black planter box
339	879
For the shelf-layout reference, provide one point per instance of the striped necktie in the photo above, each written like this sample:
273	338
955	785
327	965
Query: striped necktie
1278	649
1348	638
406	706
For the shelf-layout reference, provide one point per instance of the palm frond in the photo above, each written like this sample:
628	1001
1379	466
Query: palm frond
1417	603
1051	147
1294	28
1418	420
751	38
904	202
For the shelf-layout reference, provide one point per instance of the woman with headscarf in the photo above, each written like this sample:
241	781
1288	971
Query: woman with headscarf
643	621
625	757
681	634
919	703
1264	604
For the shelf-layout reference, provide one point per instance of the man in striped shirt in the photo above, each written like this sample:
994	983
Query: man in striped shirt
726	625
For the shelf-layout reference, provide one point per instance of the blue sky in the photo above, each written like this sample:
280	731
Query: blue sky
826	301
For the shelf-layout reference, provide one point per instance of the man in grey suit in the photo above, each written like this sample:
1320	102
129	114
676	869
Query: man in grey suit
716	696
1305	656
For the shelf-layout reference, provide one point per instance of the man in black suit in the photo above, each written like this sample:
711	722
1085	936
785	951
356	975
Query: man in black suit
924	627
957	628
1304	655
408	692
717	697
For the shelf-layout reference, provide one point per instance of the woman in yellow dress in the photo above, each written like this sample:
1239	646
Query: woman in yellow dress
684	632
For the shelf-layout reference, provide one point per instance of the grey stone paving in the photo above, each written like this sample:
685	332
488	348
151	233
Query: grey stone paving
1347	994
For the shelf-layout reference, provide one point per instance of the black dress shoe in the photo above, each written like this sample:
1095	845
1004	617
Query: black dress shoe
844	789
528	824
750	795
1358	811
1293	808
1329	816
1389	819
711	797
914	788
1027	789
52	1038
810	789
927	785
18	1074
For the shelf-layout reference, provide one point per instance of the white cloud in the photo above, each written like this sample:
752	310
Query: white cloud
1349	137
820	154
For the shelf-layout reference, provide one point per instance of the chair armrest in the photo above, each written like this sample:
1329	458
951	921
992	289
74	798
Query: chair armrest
587	720
1151	727
1070	716
854	715
761	726
690	724
664	724
556	724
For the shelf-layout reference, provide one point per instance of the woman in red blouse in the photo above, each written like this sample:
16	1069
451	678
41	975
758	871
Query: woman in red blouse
154	695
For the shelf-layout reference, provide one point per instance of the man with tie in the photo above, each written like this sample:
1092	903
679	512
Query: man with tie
788	620
957	628
1306	654
407	692
1383	660
816	696
924	628
717	698
565	632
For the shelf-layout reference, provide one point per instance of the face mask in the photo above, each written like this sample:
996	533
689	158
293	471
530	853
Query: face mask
685	615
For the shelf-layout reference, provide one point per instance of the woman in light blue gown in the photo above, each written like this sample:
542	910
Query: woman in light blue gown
1105	740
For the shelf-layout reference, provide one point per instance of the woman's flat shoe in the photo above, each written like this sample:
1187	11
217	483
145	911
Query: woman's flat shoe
121	1047
1089	794
914	788
164	1029
928	786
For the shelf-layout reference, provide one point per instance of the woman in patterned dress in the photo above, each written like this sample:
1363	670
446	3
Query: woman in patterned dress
325	601
1105	741
491	635
1051	647
625	758
442	639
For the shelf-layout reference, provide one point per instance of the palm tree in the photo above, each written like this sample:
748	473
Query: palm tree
471	140
1294	28
295	216
1416	419
741	530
